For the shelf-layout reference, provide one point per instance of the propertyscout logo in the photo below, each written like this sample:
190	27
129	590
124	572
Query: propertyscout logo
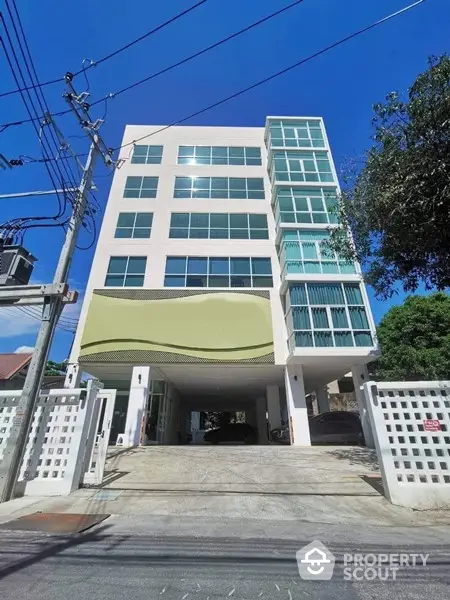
315	561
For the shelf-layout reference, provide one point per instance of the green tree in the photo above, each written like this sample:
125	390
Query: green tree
55	368
397	205
415	340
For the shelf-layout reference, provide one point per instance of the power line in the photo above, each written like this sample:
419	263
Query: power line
118	51
177	64
203	51
278	74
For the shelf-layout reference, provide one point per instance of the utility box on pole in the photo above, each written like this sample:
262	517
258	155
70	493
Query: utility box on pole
16	265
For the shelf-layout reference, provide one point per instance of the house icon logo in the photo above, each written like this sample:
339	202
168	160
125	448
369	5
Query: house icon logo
315	561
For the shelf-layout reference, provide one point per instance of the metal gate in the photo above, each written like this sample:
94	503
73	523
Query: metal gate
96	452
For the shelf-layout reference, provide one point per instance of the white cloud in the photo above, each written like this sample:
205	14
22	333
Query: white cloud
14	322
24	350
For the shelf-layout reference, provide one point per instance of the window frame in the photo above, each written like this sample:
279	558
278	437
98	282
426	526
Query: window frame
245	188
299	141
126	272
212	276
141	188
212	231
307	195
300	176
332	329
200	156
147	156
133	227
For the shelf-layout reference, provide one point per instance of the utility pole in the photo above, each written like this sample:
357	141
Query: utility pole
53	304
16	444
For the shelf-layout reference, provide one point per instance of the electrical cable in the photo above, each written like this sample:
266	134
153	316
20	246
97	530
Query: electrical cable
183	61
278	73
118	51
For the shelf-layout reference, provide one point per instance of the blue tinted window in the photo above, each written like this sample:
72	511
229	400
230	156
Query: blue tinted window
126	271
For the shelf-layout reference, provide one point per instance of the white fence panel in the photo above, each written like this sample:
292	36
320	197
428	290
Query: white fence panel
56	445
95	465
411	426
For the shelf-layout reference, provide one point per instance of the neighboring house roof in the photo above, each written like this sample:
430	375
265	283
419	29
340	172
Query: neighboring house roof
11	364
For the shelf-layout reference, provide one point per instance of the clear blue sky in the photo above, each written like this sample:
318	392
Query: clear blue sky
341	86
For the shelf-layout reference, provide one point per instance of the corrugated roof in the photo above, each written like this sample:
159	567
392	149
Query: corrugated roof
10	364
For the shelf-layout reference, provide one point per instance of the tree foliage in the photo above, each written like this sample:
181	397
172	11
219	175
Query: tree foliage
397	205
415	340
55	368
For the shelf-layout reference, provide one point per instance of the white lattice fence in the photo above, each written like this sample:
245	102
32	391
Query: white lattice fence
411	426
55	450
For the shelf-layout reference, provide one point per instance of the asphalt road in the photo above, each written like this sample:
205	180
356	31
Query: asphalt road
103	564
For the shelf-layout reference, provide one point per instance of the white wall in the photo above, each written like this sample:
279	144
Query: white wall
159	245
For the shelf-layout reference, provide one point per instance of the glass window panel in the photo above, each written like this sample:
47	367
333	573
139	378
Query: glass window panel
255	183
320	217
237	183
297	294
312	267
203	151
219	234
131	194
137	264
241	281
323	166
326	177
183	183
237	161
155	150
148	193
197	265
133	182
317	204
239	220
179	220
219	183
220	151
239	234
347	267
149	182
330	267
300	318
323	339
184	160
198	234
186	151
286	204
126	219
255	195
142	232
182	194
124	232
287	217
259	221
114	280
140	150
175	265
236	152
174	281
117	264
240	266
303	217
238	194
325	293
219	220
303	339
196	281
358	317
311	177
309	250
294	266
259	234
320	318
363	338
301	204
144	219
353	293
201	194
218	281
219	266
339	318
200	160
201	183
179	232
343	339
264	282
199	220
134	281
261	266
252	152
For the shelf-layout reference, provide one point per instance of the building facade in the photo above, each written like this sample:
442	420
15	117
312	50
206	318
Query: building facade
211	289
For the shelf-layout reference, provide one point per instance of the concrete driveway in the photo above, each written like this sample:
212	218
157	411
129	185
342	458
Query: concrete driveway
272	469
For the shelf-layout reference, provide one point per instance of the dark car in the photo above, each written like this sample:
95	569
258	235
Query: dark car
234	432
339	427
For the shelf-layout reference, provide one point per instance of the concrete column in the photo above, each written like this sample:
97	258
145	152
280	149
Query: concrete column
261	420
360	376
273	406
296	405
137	404
73	376
323	400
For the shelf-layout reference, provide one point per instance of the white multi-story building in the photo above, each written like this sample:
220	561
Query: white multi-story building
210	288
